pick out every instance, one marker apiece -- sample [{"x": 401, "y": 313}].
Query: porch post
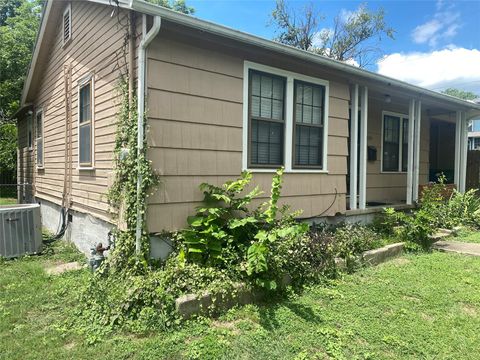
[
  {"x": 464, "y": 152},
  {"x": 362, "y": 188},
  {"x": 416, "y": 153},
  {"x": 411, "y": 123},
  {"x": 458, "y": 132},
  {"x": 353, "y": 147}
]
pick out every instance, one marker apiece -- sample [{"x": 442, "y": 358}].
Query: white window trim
[
  {"x": 401, "y": 116},
  {"x": 81, "y": 83},
  {"x": 42, "y": 165},
  {"x": 68, "y": 10},
  {"x": 289, "y": 105}
]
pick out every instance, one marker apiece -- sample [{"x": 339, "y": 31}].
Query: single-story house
[{"x": 219, "y": 101}]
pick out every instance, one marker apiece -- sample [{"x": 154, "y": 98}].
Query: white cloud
[
  {"x": 437, "y": 70},
  {"x": 443, "y": 26}
]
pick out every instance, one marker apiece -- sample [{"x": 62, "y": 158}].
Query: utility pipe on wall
[{"x": 142, "y": 49}]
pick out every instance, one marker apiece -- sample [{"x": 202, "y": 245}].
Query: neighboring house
[
  {"x": 474, "y": 132},
  {"x": 220, "y": 101}
]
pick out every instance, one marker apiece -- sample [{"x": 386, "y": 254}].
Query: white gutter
[{"x": 142, "y": 50}]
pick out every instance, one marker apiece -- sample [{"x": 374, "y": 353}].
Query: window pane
[
  {"x": 84, "y": 105},
  {"x": 266, "y": 86},
  {"x": 309, "y": 103},
  {"x": 317, "y": 116},
  {"x": 85, "y": 144},
  {"x": 317, "y": 96},
  {"x": 307, "y": 114},
  {"x": 266, "y": 108},
  {"x": 266, "y": 143},
  {"x": 277, "y": 110},
  {"x": 307, "y": 95},
  {"x": 308, "y": 145},
  {"x": 278, "y": 89},
  {"x": 255, "y": 84},
  {"x": 267, "y": 96},
  {"x": 255, "y": 106}
]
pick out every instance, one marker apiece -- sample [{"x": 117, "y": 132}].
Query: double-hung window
[
  {"x": 285, "y": 120},
  {"x": 308, "y": 129},
  {"x": 85, "y": 123},
  {"x": 394, "y": 143},
  {"x": 39, "y": 137}
]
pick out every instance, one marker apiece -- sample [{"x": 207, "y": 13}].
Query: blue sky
[{"x": 437, "y": 43}]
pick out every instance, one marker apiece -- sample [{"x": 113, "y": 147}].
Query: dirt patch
[
  {"x": 469, "y": 310},
  {"x": 69, "y": 346},
  {"x": 226, "y": 325},
  {"x": 61, "y": 268},
  {"x": 427, "y": 317},
  {"x": 412, "y": 298}
]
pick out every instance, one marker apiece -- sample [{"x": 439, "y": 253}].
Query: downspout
[{"x": 142, "y": 49}]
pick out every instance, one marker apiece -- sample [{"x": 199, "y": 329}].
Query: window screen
[
  {"x": 85, "y": 125},
  {"x": 267, "y": 119},
  {"x": 395, "y": 143},
  {"x": 391, "y": 143},
  {"x": 309, "y": 122}
]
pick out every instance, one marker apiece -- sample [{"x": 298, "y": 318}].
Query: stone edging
[{"x": 191, "y": 304}]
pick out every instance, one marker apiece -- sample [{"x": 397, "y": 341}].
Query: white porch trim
[
  {"x": 458, "y": 132},
  {"x": 416, "y": 153},
  {"x": 354, "y": 147},
  {"x": 463, "y": 151},
  {"x": 411, "y": 124},
  {"x": 362, "y": 187}
]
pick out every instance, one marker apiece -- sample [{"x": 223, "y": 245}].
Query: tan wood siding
[
  {"x": 96, "y": 48},
  {"x": 195, "y": 105}
]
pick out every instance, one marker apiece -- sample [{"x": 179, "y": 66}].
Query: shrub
[{"x": 255, "y": 245}]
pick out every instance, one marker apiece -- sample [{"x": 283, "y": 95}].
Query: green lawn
[
  {"x": 7, "y": 201},
  {"x": 415, "y": 307},
  {"x": 470, "y": 236}
]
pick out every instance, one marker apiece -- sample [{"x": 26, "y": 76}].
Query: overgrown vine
[{"x": 122, "y": 195}]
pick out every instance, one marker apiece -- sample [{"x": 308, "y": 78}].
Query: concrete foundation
[{"x": 84, "y": 230}]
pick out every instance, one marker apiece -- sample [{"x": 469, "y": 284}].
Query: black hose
[
  {"x": 323, "y": 212},
  {"x": 62, "y": 227}
]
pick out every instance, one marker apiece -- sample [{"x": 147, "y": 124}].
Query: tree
[
  {"x": 177, "y": 5},
  {"x": 461, "y": 94},
  {"x": 19, "y": 21},
  {"x": 355, "y": 36},
  {"x": 8, "y": 148}
]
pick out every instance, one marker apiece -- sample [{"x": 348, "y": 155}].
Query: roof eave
[
  {"x": 38, "y": 42},
  {"x": 190, "y": 21}
]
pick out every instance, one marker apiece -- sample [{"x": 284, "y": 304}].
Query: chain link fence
[{"x": 8, "y": 187}]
